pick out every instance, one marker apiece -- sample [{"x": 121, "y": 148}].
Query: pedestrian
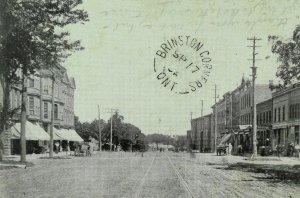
[
  {"x": 56, "y": 147},
  {"x": 297, "y": 149},
  {"x": 240, "y": 149},
  {"x": 229, "y": 149},
  {"x": 278, "y": 150},
  {"x": 89, "y": 151},
  {"x": 291, "y": 149}
]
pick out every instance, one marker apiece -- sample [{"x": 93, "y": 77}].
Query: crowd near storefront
[{"x": 277, "y": 118}]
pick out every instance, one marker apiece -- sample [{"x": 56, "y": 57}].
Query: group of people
[
  {"x": 291, "y": 150},
  {"x": 83, "y": 150}
]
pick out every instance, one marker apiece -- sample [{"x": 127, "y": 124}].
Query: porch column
[{"x": 291, "y": 137}]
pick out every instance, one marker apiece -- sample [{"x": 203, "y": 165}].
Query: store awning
[
  {"x": 244, "y": 127},
  {"x": 69, "y": 135},
  {"x": 225, "y": 138},
  {"x": 56, "y": 134},
  {"x": 279, "y": 126},
  {"x": 33, "y": 132}
]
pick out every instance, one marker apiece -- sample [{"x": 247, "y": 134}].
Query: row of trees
[
  {"x": 127, "y": 135},
  {"x": 179, "y": 142},
  {"x": 32, "y": 37}
]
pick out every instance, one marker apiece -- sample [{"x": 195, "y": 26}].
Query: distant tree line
[
  {"x": 126, "y": 135},
  {"x": 179, "y": 141}
]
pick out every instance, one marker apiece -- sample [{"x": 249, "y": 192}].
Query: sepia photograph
[{"x": 149, "y": 98}]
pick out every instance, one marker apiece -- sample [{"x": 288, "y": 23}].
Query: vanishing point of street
[{"x": 156, "y": 174}]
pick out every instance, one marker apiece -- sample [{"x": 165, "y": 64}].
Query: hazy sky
[{"x": 116, "y": 68}]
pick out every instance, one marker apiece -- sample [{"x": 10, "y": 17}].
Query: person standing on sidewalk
[
  {"x": 229, "y": 149},
  {"x": 278, "y": 150},
  {"x": 297, "y": 149}
]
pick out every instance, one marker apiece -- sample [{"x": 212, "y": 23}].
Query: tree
[
  {"x": 117, "y": 129},
  {"x": 134, "y": 136},
  {"x": 288, "y": 57},
  {"x": 33, "y": 38},
  {"x": 160, "y": 138},
  {"x": 87, "y": 130}
]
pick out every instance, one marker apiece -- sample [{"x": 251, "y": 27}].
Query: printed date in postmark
[{"x": 182, "y": 64}]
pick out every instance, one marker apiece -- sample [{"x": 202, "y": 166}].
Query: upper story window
[
  {"x": 55, "y": 111},
  {"x": 31, "y": 105},
  {"x": 283, "y": 113},
  {"x": 47, "y": 83},
  {"x": 279, "y": 114},
  {"x": 275, "y": 112},
  {"x": 46, "y": 110},
  {"x": 31, "y": 82},
  {"x": 297, "y": 111}
]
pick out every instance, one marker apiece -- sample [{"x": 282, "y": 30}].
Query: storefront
[
  {"x": 36, "y": 138},
  {"x": 243, "y": 140},
  {"x": 66, "y": 139},
  {"x": 280, "y": 135},
  {"x": 263, "y": 136}
]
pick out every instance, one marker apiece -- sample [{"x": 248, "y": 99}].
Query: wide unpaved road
[
  {"x": 102, "y": 175},
  {"x": 131, "y": 175}
]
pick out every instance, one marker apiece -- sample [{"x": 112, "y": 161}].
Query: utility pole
[
  {"x": 200, "y": 132},
  {"x": 201, "y": 108},
  {"x": 23, "y": 117},
  {"x": 52, "y": 117},
  {"x": 111, "y": 117},
  {"x": 193, "y": 133},
  {"x": 254, "y": 127},
  {"x": 216, "y": 120},
  {"x": 100, "y": 145}
]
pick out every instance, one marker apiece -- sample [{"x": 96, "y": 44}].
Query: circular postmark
[{"x": 182, "y": 64}]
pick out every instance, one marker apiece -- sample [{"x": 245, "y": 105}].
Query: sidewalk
[{"x": 33, "y": 157}]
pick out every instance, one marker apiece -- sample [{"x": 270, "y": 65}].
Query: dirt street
[{"x": 157, "y": 174}]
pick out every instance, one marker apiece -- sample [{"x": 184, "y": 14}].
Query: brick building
[
  {"x": 286, "y": 116},
  {"x": 264, "y": 122},
  {"x": 39, "y": 103}
]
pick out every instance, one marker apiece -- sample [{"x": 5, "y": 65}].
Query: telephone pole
[
  {"x": 52, "y": 116},
  {"x": 23, "y": 118},
  {"x": 216, "y": 120},
  {"x": 215, "y": 125},
  {"x": 111, "y": 122},
  {"x": 254, "y": 127},
  {"x": 100, "y": 145},
  {"x": 201, "y": 108},
  {"x": 111, "y": 117}
]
